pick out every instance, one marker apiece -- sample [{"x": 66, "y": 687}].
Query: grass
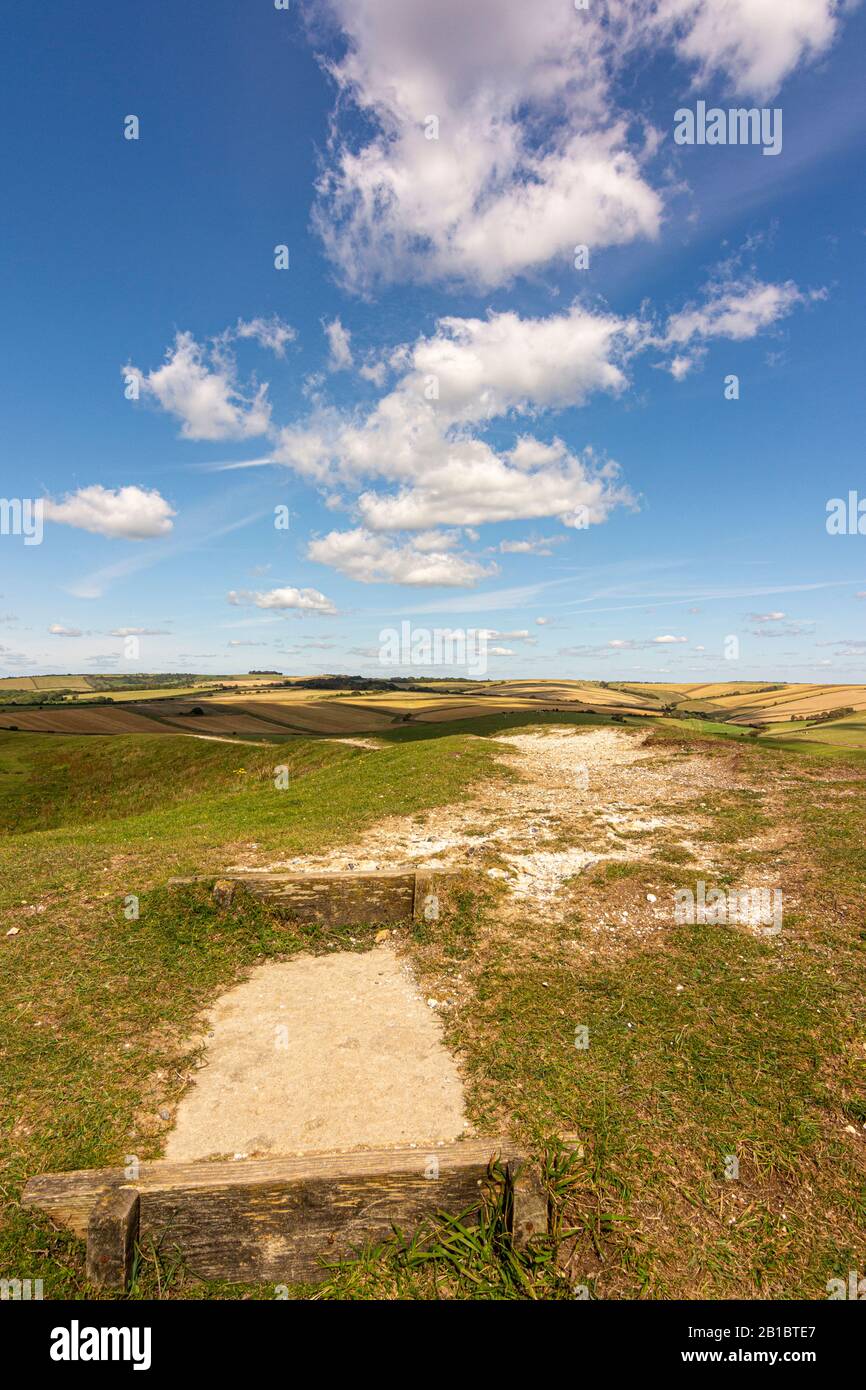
[{"x": 705, "y": 1043}]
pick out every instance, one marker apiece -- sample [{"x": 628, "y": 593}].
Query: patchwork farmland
[{"x": 261, "y": 706}]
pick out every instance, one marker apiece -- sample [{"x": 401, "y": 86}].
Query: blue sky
[{"x": 466, "y": 429}]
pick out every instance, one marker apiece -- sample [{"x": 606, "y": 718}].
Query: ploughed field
[{"x": 823, "y": 717}]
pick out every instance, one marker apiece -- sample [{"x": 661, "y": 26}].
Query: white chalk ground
[
  {"x": 320, "y": 1053},
  {"x": 604, "y": 774}
]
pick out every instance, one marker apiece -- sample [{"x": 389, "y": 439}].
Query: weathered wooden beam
[
  {"x": 426, "y": 905},
  {"x": 528, "y": 1203},
  {"x": 337, "y": 899},
  {"x": 276, "y": 1219},
  {"x": 112, "y": 1230}
]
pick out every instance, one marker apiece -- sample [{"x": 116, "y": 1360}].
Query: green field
[{"x": 848, "y": 732}]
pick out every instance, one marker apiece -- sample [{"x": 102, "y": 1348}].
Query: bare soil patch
[{"x": 320, "y": 1053}]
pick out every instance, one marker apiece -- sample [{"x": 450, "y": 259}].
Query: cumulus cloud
[
  {"x": 58, "y": 630},
  {"x": 631, "y": 645},
  {"x": 340, "y": 345},
  {"x": 419, "y": 459},
  {"x": 683, "y": 363},
  {"x": 271, "y": 333},
  {"x": 421, "y": 437},
  {"x": 132, "y": 513},
  {"x": 733, "y": 306},
  {"x": 755, "y": 43},
  {"x": 305, "y": 600},
  {"x": 494, "y": 135},
  {"x": 202, "y": 391},
  {"x": 471, "y": 484},
  {"x": 483, "y": 367},
  {"x": 375, "y": 371},
  {"x": 373, "y": 559},
  {"x": 737, "y": 310},
  {"x": 495, "y": 145}
]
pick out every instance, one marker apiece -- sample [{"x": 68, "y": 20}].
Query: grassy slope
[
  {"x": 93, "y": 1005},
  {"x": 847, "y": 732},
  {"x": 756, "y": 1055}
]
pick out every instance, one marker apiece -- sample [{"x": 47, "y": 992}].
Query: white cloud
[
  {"x": 138, "y": 632},
  {"x": 539, "y": 545},
  {"x": 418, "y": 459},
  {"x": 519, "y": 635},
  {"x": 375, "y": 371},
  {"x": 738, "y": 310},
  {"x": 133, "y": 513},
  {"x": 429, "y": 542},
  {"x": 499, "y": 141},
  {"x": 483, "y": 367},
  {"x": 767, "y": 617},
  {"x": 271, "y": 333},
  {"x": 680, "y": 366},
  {"x": 339, "y": 343},
  {"x": 306, "y": 600},
  {"x": 419, "y": 436},
  {"x": 756, "y": 43},
  {"x": 530, "y": 158},
  {"x": 423, "y": 438},
  {"x": 630, "y": 645},
  {"x": 204, "y": 396},
  {"x": 58, "y": 630},
  {"x": 372, "y": 559},
  {"x": 472, "y": 485}
]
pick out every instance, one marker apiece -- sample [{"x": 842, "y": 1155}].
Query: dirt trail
[
  {"x": 594, "y": 788},
  {"x": 218, "y": 738}
]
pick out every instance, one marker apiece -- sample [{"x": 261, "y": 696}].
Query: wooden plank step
[
  {"x": 338, "y": 898},
  {"x": 264, "y": 1220}
]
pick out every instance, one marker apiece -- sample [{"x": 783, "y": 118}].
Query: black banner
[{"x": 80, "y": 1339}]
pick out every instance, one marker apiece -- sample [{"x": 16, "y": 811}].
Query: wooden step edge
[
  {"x": 70, "y": 1197},
  {"x": 247, "y": 876}
]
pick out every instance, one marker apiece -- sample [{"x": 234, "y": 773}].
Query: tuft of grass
[{"x": 468, "y": 1255}]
